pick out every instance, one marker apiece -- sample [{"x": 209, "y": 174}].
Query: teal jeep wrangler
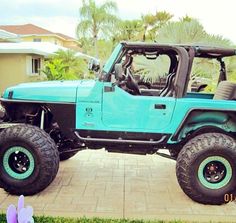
[{"x": 51, "y": 121}]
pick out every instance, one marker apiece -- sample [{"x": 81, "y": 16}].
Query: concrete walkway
[{"x": 97, "y": 183}]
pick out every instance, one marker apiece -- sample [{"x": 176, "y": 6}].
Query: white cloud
[{"x": 66, "y": 25}]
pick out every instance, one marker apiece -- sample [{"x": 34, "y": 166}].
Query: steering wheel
[{"x": 131, "y": 83}]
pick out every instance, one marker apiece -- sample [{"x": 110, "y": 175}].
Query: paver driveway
[{"x": 97, "y": 183}]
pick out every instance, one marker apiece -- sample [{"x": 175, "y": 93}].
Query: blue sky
[{"x": 62, "y": 15}]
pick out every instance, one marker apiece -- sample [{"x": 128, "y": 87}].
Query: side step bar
[{"x": 120, "y": 140}]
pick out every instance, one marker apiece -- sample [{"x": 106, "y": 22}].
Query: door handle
[
  {"x": 109, "y": 89},
  {"x": 160, "y": 106}
]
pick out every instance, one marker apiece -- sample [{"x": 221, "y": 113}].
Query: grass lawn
[{"x": 44, "y": 219}]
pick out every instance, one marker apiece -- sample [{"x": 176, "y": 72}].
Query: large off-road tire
[
  {"x": 29, "y": 159},
  {"x": 206, "y": 168},
  {"x": 66, "y": 156}
]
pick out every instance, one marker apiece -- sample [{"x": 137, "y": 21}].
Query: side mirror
[
  {"x": 94, "y": 65},
  {"x": 119, "y": 71}
]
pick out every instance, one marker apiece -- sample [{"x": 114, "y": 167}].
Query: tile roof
[
  {"x": 64, "y": 36},
  {"x": 30, "y": 29}
]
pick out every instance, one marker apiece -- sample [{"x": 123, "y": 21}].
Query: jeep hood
[{"x": 51, "y": 91}]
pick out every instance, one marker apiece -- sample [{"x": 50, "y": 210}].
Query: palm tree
[
  {"x": 151, "y": 70},
  {"x": 187, "y": 31},
  {"x": 148, "y": 22},
  {"x": 68, "y": 58},
  {"x": 151, "y": 23},
  {"x": 127, "y": 30},
  {"x": 95, "y": 20},
  {"x": 130, "y": 29},
  {"x": 161, "y": 19},
  {"x": 182, "y": 32},
  {"x": 186, "y": 18}
]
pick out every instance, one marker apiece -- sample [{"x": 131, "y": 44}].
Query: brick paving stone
[
  {"x": 94, "y": 188},
  {"x": 118, "y": 179},
  {"x": 85, "y": 200},
  {"x": 77, "y": 180},
  {"x": 104, "y": 179},
  {"x": 114, "y": 189},
  {"x": 138, "y": 206},
  {"x": 118, "y": 172},
  {"x": 60, "y": 207},
  {"x": 37, "y": 206},
  {"x": 63, "y": 200},
  {"x": 72, "y": 190},
  {"x": 3, "y": 196},
  {"x": 110, "y": 215},
  {"x": 110, "y": 205},
  {"x": 49, "y": 199},
  {"x": 102, "y": 172},
  {"x": 86, "y": 207}
]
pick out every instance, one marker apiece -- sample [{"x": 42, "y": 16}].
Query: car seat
[{"x": 225, "y": 91}]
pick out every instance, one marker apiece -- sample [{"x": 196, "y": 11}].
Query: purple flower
[{"x": 21, "y": 215}]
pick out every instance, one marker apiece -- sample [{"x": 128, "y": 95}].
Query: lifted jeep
[{"x": 51, "y": 121}]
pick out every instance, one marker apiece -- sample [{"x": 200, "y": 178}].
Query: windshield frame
[{"x": 112, "y": 59}]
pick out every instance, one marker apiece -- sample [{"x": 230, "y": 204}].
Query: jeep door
[{"x": 122, "y": 111}]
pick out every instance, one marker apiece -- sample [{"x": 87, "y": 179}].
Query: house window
[
  {"x": 36, "y": 65},
  {"x": 37, "y": 40},
  {"x": 33, "y": 65}
]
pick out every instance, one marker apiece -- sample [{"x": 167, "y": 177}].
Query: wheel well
[
  {"x": 55, "y": 115},
  {"x": 29, "y": 113},
  {"x": 199, "y": 121}
]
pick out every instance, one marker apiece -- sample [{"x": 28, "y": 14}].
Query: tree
[
  {"x": 140, "y": 29},
  {"x": 68, "y": 58},
  {"x": 128, "y": 30},
  {"x": 96, "y": 20},
  {"x": 148, "y": 21},
  {"x": 186, "y": 18},
  {"x": 159, "y": 20},
  {"x": 105, "y": 48}
]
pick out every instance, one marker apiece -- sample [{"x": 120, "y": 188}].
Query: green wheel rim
[
  {"x": 224, "y": 178},
  {"x": 18, "y": 162}
]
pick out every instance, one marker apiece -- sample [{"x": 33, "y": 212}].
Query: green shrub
[
  {"x": 65, "y": 65},
  {"x": 45, "y": 219}
]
